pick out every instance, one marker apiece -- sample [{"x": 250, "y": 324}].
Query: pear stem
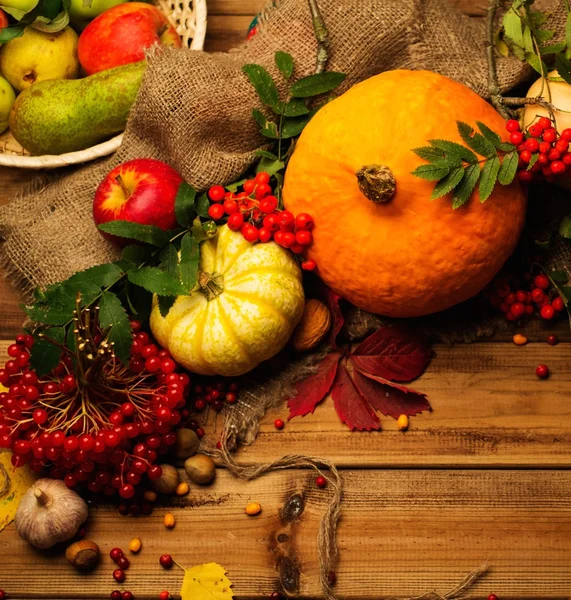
[
  {"x": 41, "y": 496},
  {"x": 124, "y": 188}
]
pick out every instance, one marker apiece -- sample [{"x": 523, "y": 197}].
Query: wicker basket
[{"x": 189, "y": 19}]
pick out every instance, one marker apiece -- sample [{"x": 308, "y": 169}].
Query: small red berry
[
  {"x": 286, "y": 220},
  {"x": 304, "y": 237},
  {"x": 517, "y": 309},
  {"x": 562, "y": 145},
  {"x": 166, "y": 561},
  {"x": 119, "y": 575},
  {"x": 525, "y": 155},
  {"x": 516, "y": 138},
  {"x": 321, "y": 482},
  {"x": 278, "y": 424},
  {"x": 542, "y": 371},
  {"x": 216, "y": 211},
  {"x": 262, "y": 177},
  {"x": 115, "y": 595},
  {"x": 510, "y": 298},
  {"x": 309, "y": 265},
  {"x": 331, "y": 578},
  {"x": 525, "y": 176},
  {"x": 271, "y": 222},
  {"x": 264, "y": 235},
  {"x": 542, "y": 160},
  {"x": 558, "y": 167},
  {"x": 549, "y": 135},
  {"x": 268, "y": 205},
  {"x": 529, "y": 309},
  {"x": 552, "y": 339},
  {"x": 537, "y": 295},
  {"x": 250, "y": 233},
  {"x": 544, "y": 122},
  {"x": 566, "y": 135},
  {"x": 235, "y": 221},
  {"x": 554, "y": 154},
  {"x": 262, "y": 190},
  {"x": 532, "y": 145},
  {"x": 521, "y": 296},
  {"x": 547, "y": 172},
  {"x": 534, "y": 130},
  {"x": 123, "y": 563},
  {"x": 566, "y": 159},
  {"x": 544, "y": 147},
  {"x": 558, "y": 304},
  {"x": 126, "y": 595},
  {"x": 164, "y": 595},
  {"x": 542, "y": 282},
  {"x": 493, "y": 596},
  {"x": 547, "y": 312},
  {"x": 249, "y": 186},
  {"x": 216, "y": 193},
  {"x": 275, "y": 596},
  {"x": 230, "y": 206},
  {"x": 304, "y": 221},
  {"x": 116, "y": 554},
  {"x": 512, "y": 125},
  {"x": 297, "y": 248}
]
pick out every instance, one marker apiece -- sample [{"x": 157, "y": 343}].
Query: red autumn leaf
[
  {"x": 391, "y": 399},
  {"x": 332, "y": 300},
  {"x": 393, "y": 354},
  {"x": 311, "y": 391},
  {"x": 351, "y": 407}
]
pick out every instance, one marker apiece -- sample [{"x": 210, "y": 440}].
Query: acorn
[{"x": 83, "y": 555}]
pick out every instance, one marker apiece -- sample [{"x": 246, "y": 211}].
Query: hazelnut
[
  {"x": 200, "y": 468},
  {"x": 83, "y": 555}
]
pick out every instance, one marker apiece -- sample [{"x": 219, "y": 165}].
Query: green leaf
[
  {"x": 455, "y": 150},
  {"x": 149, "y": 234},
  {"x": 448, "y": 183},
  {"x": 563, "y": 66},
  {"x": 169, "y": 260},
  {"x": 314, "y": 85},
  {"x": 536, "y": 63},
  {"x": 465, "y": 188},
  {"x": 553, "y": 49},
  {"x": 568, "y": 30},
  {"x": 165, "y": 304},
  {"x": 284, "y": 62},
  {"x": 102, "y": 276},
  {"x": 565, "y": 227},
  {"x": 44, "y": 357},
  {"x": 270, "y": 131},
  {"x": 156, "y": 281},
  {"x": 263, "y": 154},
  {"x": 543, "y": 35},
  {"x": 56, "y": 334},
  {"x": 508, "y": 170},
  {"x": 476, "y": 141},
  {"x": 260, "y": 118},
  {"x": 59, "y": 302},
  {"x": 52, "y": 25},
  {"x": 270, "y": 166},
  {"x": 113, "y": 315},
  {"x": 533, "y": 160},
  {"x": 429, "y": 153},
  {"x": 294, "y": 108},
  {"x": 527, "y": 39},
  {"x": 184, "y": 204},
  {"x": 189, "y": 259},
  {"x": 559, "y": 276},
  {"x": 506, "y": 147},
  {"x": 293, "y": 126},
  {"x": 50, "y": 8},
  {"x": 565, "y": 293},
  {"x": 431, "y": 172},
  {"x": 490, "y": 135},
  {"x": 203, "y": 231},
  {"x": 11, "y": 32},
  {"x": 489, "y": 177},
  {"x": 202, "y": 206},
  {"x": 513, "y": 27},
  {"x": 263, "y": 83},
  {"x": 233, "y": 187},
  {"x": 136, "y": 254}
]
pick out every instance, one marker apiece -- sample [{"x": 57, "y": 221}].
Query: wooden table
[{"x": 484, "y": 478}]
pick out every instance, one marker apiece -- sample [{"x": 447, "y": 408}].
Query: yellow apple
[
  {"x": 7, "y": 98},
  {"x": 80, "y": 15}
]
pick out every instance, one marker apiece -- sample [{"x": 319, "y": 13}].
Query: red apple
[
  {"x": 141, "y": 191},
  {"x": 3, "y": 19},
  {"x": 121, "y": 34}
]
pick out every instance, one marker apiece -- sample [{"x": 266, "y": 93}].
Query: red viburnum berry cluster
[
  {"x": 516, "y": 302},
  {"x": 542, "y": 144},
  {"x": 102, "y": 430},
  {"x": 254, "y": 212}
]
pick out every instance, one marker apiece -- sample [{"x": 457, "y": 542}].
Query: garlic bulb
[{"x": 49, "y": 512}]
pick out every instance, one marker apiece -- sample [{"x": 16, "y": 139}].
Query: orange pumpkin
[{"x": 407, "y": 256}]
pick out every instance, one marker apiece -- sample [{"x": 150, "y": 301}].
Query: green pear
[
  {"x": 39, "y": 56},
  {"x": 80, "y": 14},
  {"x": 55, "y": 117},
  {"x": 7, "y": 98},
  {"x": 23, "y": 5}
]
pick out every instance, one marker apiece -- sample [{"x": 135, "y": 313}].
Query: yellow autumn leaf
[{"x": 206, "y": 582}]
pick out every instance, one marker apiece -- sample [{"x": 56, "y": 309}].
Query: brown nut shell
[
  {"x": 200, "y": 468},
  {"x": 83, "y": 555},
  {"x": 313, "y": 327}
]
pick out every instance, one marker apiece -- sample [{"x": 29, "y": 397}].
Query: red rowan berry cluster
[
  {"x": 516, "y": 303},
  {"x": 543, "y": 145},
  {"x": 254, "y": 212}
]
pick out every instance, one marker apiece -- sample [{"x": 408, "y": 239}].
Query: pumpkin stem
[
  {"x": 377, "y": 183},
  {"x": 211, "y": 284},
  {"x": 41, "y": 497}
]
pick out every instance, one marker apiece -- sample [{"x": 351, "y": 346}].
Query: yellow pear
[
  {"x": 39, "y": 56},
  {"x": 7, "y": 99}
]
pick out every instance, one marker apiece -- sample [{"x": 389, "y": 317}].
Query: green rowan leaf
[
  {"x": 202, "y": 206},
  {"x": 536, "y": 63},
  {"x": 270, "y": 131},
  {"x": 431, "y": 172},
  {"x": 476, "y": 141},
  {"x": 44, "y": 357},
  {"x": 270, "y": 166},
  {"x": 149, "y": 234},
  {"x": 527, "y": 40},
  {"x": 533, "y": 160},
  {"x": 263, "y": 83},
  {"x": 565, "y": 227},
  {"x": 448, "y": 183},
  {"x": 489, "y": 177},
  {"x": 293, "y": 126},
  {"x": 294, "y": 108},
  {"x": 184, "y": 204},
  {"x": 563, "y": 66},
  {"x": 156, "y": 281},
  {"x": 189, "y": 260},
  {"x": 455, "y": 150},
  {"x": 100, "y": 275},
  {"x": 490, "y": 135},
  {"x": 314, "y": 85},
  {"x": 553, "y": 49},
  {"x": 508, "y": 169},
  {"x": 429, "y": 153},
  {"x": 558, "y": 276},
  {"x": 169, "y": 260},
  {"x": 113, "y": 315},
  {"x": 464, "y": 189},
  {"x": 263, "y": 154},
  {"x": 284, "y": 62},
  {"x": 259, "y": 117},
  {"x": 165, "y": 304}
]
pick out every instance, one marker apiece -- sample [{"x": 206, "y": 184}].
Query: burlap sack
[{"x": 194, "y": 112}]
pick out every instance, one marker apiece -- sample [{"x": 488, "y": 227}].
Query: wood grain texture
[{"x": 402, "y": 533}]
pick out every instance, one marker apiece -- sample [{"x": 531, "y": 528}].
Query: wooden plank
[
  {"x": 402, "y": 533},
  {"x": 11, "y": 315},
  {"x": 489, "y": 410},
  {"x": 225, "y": 32}
]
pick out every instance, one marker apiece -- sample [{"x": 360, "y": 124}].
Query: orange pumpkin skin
[{"x": 409, "y": 256}]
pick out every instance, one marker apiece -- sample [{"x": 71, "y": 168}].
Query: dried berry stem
[
  {"x": 493, "y": 85},
  {"x": 321, "y": 35}
]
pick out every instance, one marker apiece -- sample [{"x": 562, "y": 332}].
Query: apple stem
[
  {"x": 163, "y": 30},
  {"x": 125, "y": 189}
]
